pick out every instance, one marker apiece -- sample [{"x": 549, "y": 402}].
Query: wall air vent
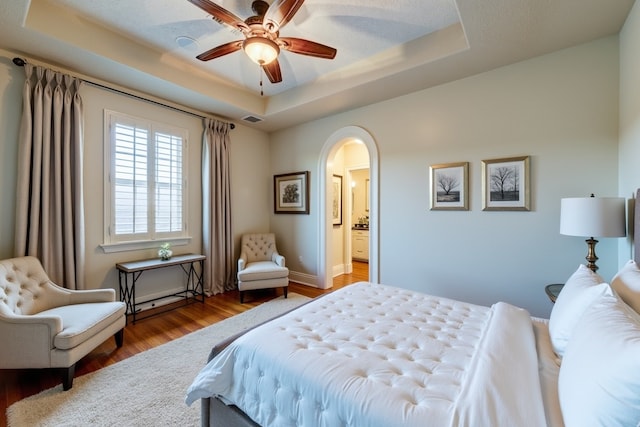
[{"x": 252, "y": 119}]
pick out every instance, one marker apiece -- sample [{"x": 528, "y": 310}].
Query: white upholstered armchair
[
  {"x": 260, "y": 266},
  {"x": 43, "y": 325}
]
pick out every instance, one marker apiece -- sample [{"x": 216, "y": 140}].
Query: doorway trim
[{"x": 329, "y": 150}]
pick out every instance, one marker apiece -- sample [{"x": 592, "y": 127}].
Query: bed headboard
[{"x": 636, "y": 228}]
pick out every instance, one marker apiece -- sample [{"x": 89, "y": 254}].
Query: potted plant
[{"x": 165, "y": 252}]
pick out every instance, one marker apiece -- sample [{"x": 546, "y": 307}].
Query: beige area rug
[{"x": 147, "y": 389}]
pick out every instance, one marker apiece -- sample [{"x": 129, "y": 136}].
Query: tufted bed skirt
[{"x": 376, "y": 355}]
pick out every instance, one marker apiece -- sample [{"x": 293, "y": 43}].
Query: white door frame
[{"x": 331, "y": 146}]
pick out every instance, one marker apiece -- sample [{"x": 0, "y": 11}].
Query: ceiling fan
[{"x": 262, "y": 41}]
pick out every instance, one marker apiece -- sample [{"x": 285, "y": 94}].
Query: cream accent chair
[
  {"x": 43, "y": 325},
  {"x": 260, "y": 266}
]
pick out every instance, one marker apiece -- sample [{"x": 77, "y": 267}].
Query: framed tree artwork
[
  {"x": 291, "y": 193},
  {"x": 505, "y": 184},
  {"x": 336, "y": 204},
  {"x": 450, "y": 186}
]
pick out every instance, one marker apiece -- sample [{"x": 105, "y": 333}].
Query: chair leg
[
  {"x": 119, "y": 336},
  {"x": 241, "y": 297},
  {"x": 67, "y": 377},
  {"x": 286, "y": 289}
]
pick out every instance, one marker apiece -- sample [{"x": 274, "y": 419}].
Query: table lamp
[{"x": 593, "y": 217}]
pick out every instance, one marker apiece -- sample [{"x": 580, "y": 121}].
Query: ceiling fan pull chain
[{"x": 261, "y": 92}]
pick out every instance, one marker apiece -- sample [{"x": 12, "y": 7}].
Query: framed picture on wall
[
  {"x": 367, "y": 188},
  {"x": 336, "y": 204},
  {"x": 450, "y": 186},
  {"x": 291, "y": 193},
  {"x": 505, "y": 184}
]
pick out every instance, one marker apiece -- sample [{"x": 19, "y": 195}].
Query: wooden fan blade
[
  {"x": 306, "y": 47},
  {"x": 272, "y": 70},
  {"x": 223, "y": 49},
  {"x": 279, "y": 13},
  {"x": 221, "y": 14}
]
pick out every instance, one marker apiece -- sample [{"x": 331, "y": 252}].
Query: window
[{"x": 145, "y": 189}]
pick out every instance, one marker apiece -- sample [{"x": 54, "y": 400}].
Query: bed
[{"x": 375, "y": 355}]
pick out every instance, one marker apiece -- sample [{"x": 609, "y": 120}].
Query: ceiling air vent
[{"x": 252, "y": 119}]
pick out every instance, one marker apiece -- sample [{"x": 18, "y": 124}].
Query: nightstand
[{"x": 553, "y": 290}]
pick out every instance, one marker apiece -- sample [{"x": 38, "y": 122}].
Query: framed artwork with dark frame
[
  {"x": 291, "y": 193},
  {"x": 450, "y": 186},
  {"x": 505, "y": 184},
  {"x": 336, "y": 204}
]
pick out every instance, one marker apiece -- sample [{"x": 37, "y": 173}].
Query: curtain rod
[{"x": 21, "y": 62}]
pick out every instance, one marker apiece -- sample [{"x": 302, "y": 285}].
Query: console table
[{"x": 130, "y": 272}]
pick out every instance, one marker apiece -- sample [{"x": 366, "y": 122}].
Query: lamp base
[{"x": 591, "y": 254}]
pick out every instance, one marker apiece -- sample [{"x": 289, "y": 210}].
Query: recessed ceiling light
[{"x": 187, "y": 43}]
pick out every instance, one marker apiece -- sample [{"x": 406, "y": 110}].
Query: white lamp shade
[
  {"x": 593, "y": 217},
  {"x": 261, "y": 50}
]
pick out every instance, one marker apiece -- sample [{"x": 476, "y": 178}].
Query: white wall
[
  {"x": 11, "y": 78},
  {"x": 338, "y": 232},
  {"x": 360, "y": 178},
  {"x": 250, "y": 184},
  {"x": 629, "y": 145},
  {"x": 297, "y": 234},
  {"x": 348, "y": 161},
  {"x": 99, "y": 270},
  {"x": 560, "y": 109}
]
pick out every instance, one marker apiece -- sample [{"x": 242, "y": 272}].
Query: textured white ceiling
[
  {"x": 385, "y": 48},
  {"x": 357, "y": 29}
]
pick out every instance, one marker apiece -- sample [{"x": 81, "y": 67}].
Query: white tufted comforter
[{"x": 375, "y": 355}]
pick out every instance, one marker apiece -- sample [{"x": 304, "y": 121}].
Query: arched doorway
[{"x": 331, "y": 146}]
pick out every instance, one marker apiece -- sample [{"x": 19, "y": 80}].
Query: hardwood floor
[{"x": 16, "y": 384}]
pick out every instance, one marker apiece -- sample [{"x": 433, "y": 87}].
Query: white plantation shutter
[
  {"x": 168, "y": 178},
  {"x": 130, "y": 193},
  {"x": 147, "y": 180}
]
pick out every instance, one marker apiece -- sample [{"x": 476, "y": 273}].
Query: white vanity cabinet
[{"x": 360, "y": 244}]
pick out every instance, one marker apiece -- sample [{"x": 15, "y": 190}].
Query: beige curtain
[
  {"x": 49, "y": 205},
  {"x": 216, "y": 204}
]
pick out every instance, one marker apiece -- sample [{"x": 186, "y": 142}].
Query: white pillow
[
  {"x": 580, "y": 290},
  {"x": 627, "y": 284},
  {"x": 599, "y": 380}
]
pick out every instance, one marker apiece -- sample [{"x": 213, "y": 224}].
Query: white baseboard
[
  {"x": 314, "y": 281},
  {"x": 304, "y": 279},
  {"x": 167, "y": 296}
]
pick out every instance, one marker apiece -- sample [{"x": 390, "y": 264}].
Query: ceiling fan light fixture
[{"x": 261, "y": 50}]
